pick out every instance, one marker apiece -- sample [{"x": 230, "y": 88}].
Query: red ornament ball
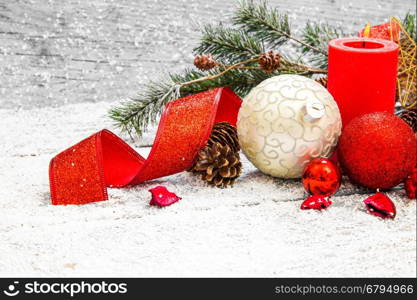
[
  {"x": 321, "y": 177},
  {"x": 377, "y": 150}
]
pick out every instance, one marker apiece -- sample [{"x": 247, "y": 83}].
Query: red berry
[{"x": 410, "y": 184}]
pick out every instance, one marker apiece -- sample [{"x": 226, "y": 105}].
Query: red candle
[{"x": 362, "y": 75}]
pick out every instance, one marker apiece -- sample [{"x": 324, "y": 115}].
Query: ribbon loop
[{"x": 81, "y": 173}]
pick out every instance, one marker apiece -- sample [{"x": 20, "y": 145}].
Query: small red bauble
[
  {"x": 388, "y": 31},
  {"x": 377, "y": 150},
  {"x": 162, "y": 197},
  {"x": 316, "y": 202},
  {"x": 410, "y": 184},
  {"x": 381, "y": 206},
  {"x": 321, "y": 177}
]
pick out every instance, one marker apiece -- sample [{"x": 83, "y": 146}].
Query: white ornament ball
[{"x": 285, "y": 122}]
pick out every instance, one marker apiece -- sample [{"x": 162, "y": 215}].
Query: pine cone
[
  {"x": 322, "y": 81},
  {"x": 269, "y": 61},
  {"x": 410, "y": 117},
  {"x": 205, "y": 62},
  {"x": 225, "y": 134},
  {"x": 218, "y": 162},
  {"x": 218, "y": 165}
]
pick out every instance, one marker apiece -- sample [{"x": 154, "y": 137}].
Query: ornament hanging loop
[{"x": 313, "y": 111}]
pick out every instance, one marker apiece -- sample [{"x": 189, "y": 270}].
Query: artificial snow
[
  {"x": 64, "y": 54},
  {"x": 255, "y": 228}
]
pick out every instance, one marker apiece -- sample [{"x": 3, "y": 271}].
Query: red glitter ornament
[
  {"x": 381, "y": 206},
  {"x": 321, "y": 177},
  {"x": 410, "y": 184},
  {"x": 81, "y": 173},
  {"x": 162, "y": 197},
  {"x": 316, "y": 202},
  {"x": 377, "y": 150},
  {"x": 388, "y": 31}
]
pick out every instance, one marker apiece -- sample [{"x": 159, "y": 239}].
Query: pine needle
[
  {"x": 265, "y": 23},
  {"x": 144, "y": 109},
  {"x": 228, "y": 45},
  {"x": 409, "y": 24},
  {"x": 318, "y": 36}
]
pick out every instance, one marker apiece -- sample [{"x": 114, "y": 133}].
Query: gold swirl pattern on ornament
[{"x": 272, "y": 130}]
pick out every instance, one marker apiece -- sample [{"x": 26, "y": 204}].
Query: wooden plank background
[{"x": 58, "y": 52}]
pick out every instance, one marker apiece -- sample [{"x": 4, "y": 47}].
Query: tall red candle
[{"x": 362, "y": 75}]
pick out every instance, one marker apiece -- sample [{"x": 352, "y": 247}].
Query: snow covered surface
[
  {"x": 253, "y": 229},
  {"x": 57, "y": 56}
]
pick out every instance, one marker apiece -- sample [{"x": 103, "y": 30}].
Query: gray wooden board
[{"x": 58, "y": 52}]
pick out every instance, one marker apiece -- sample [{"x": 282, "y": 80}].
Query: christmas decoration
[
  {"x": 225, "y": 134},
  {"x": 362, "y": 75},
  {"x": 81, "y": 173},
  {"x": 162, "y": 197},
  {"x": 405, "y": 36},
  {"x": 205, "y": 62},
  {"x": 238, "y": 50},
  {"x": 410, "y": 117},
  {"x": 377, "y": 150},
  {"x": 407, "y": 67},
  {"x": 269, "y": 61},
  {"x": 285, "y": 122},
  {"x": 381, "y": 206},
  {"x": 387, "y": 31},
  {"x": 410, "y": 184},
  {"x": 218, "y": 165},
  {"x": 316, "y": 202},
  {"x": 218, "y": 162},
  {"x": 321, "y": 177}
]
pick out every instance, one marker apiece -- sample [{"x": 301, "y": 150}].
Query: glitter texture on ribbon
[{"x": 81, "y": 173}]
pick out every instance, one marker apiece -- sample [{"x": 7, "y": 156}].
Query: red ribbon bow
[{"x": 81, "y": 173}]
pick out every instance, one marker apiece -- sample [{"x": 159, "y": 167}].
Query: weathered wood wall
[{"x": 57, "y": 52}]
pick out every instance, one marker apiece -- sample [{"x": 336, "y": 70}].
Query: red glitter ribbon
[{"x": 81, "y": 173}]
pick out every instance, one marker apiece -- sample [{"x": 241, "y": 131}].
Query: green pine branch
[
  {"x": 228, "y": 45},
  {"x": 409, "y": 24},
  {"x": 136, "y": 114},
  {"x": 318, "y": 35},
  {"x": 142, "y": 110},
  {"x": 265, "y": 23},
  {"x": 268, "y": 25}
]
